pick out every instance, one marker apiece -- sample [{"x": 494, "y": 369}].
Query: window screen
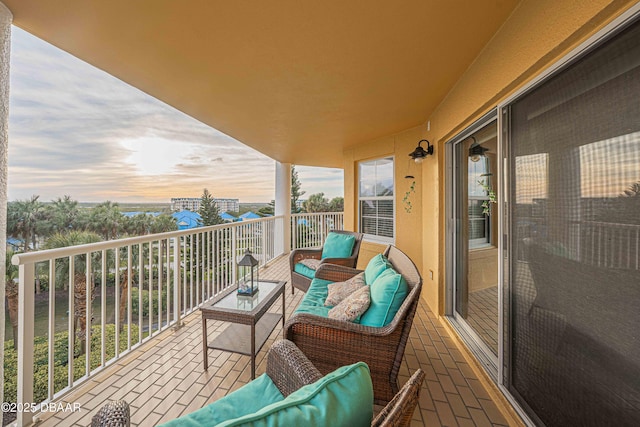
[{"x": 574, "y": 143}]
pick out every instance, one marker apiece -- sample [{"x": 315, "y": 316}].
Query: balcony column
[
  {"x": 5, "y": 47},
  {"x": 283, "y": 206}
]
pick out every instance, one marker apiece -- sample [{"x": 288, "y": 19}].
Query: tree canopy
[{"x": 209, "y": 211}]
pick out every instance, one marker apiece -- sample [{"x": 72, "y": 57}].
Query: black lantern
[
  {"x": 248, "y": 275},
  {"x": 420, "y": 153}
]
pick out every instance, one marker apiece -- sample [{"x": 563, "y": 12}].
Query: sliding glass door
[
  {"x": 573, "y": 352},
  {"x": 474, "y": 306}
]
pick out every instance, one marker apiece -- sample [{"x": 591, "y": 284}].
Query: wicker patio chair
[
  {"x": 290, "y": 369},
  {"x": 301, "y": 282},
  {"x": 331, "y": 343}
]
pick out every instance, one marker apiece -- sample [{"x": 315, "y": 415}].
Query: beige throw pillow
[
  {"x": 312, "y": 263},
  {"x": 338, "y": 291},
  {"x": 353, "y": 306}
]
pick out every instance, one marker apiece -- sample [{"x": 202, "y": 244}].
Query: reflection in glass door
[{"x": 475, "y": 211}]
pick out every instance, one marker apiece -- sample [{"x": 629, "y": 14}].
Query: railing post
[
  {"x": 283, "y": 203},
  {"x": 176, "y": 282},
  {"x": 234, "y": 270},
  {"x": 25, "y": 341}
]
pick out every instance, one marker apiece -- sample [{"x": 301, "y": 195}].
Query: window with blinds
[{"x": 376, "y": 200}]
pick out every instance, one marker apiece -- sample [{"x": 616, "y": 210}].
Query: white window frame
[{"x": 373, "y": 237}]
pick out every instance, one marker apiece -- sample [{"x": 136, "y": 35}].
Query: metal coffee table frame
[{"x": 248, "y": 331}]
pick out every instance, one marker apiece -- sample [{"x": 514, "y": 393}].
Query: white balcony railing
[
  {"x": 106, "y": 299},
  {"x": 310, "y": 229}
]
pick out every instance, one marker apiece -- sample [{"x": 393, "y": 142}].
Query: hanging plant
[
  {"x": 486, "y": 205},
  {"x": 406, "y": 199}
]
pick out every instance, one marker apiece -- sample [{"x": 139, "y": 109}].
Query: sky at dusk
[{"x": 73, "y": 129}]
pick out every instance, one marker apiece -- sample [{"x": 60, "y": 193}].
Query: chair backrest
[
  {"x": 403, "y": 265},
  {"x": 355, "y": 252},
  {"x": 399, "y": 410}
]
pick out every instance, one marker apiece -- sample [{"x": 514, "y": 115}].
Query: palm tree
[
  {"x": 138, "y": 225},
  {"x": 632, "y": 191},
  {"x": 316, "y": 203},
  {"x": 24, "y": 219},
  {"x": 106, "y": 220},
  {"x": 64, "y": 213},
  {"x": 82, "y": 313},
  {"x": 11, "y": 290},
  {"x": 164, "y": 223}
]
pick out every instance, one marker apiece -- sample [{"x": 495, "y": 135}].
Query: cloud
[{"x": 76, "y": 130}]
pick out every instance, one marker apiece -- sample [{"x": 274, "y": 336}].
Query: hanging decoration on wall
[{"x": 407, "y": 197}]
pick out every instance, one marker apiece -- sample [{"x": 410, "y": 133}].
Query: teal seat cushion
[
  {"x": 375, "y": 267},
  {"x": 388, "y": 292},
  {"x": 313, "y": 301},
  {"x": 246, "y": 400},
  {"x": 338, "y": 245},
  {"x": 342, "y": 398},
  {"x": 304, "y": 270}
]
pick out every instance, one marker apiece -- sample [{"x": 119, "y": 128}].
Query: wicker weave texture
[
  {"x": 380, "y": 348},
  {"x": 112, "y": 414},
  {"x": 399, "y": 411}
]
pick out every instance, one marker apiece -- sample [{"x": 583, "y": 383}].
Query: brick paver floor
[{"x": 164, "y": 378}]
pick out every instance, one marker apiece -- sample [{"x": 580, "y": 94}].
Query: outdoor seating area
[{"x": 163, "y": 379}]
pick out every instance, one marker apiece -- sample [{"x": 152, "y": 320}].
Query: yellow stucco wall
[
  {"x": 408, "y": 223},
  {"x": 536, "y": 35}
]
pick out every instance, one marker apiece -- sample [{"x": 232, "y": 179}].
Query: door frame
[{"x": 472, "y": 340}]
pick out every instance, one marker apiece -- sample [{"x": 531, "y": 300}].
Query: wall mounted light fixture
[
  {"x": 420, "y": 153},
  {"x": 476, "y": 151}
]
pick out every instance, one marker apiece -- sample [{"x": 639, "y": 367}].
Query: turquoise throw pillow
[
  {"x": 338, "y": 245},
  {"x": 388, "y": 292},
  {"x": 342, "y": 398},
  {"x": 248, "y": 399},
  {"x": 375, "y": 267}
]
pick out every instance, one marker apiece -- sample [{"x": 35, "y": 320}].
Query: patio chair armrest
[
  {"x": 347, "y": 262},
  {"x": 399, "y": 410},
  {"x": 298, "y": 255},
  {"x": 289, "y": 368},
  {"x": 329, "y": 328},
  {"x": 335, "y": 273}
]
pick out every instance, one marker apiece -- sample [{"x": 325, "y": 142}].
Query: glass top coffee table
[{"x": 251, "y": 323}]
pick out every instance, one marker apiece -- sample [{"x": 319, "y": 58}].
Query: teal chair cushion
[
  {"x": 313, "y": 301},
  {"x": 246, "y": 400},
  {"x": 338, "y": 245},
  {"x": 304, "y": 270},
  {"x": 388, "y": 292},
  {"x": 342, "y": 398},
  {"x": 375, "y": 267}
]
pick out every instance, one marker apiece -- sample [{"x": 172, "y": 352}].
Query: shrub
[{"x": 60, "y": 360}]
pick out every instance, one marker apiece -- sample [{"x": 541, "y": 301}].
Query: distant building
[
  {"x": 187, "y": 219},
  {"x": 249, "y": 215},
  {"x": 185, "y": 203},
  {"x": 228, "y": 205},
  {"x": 227, "y": 217},
  {"x": 193, "y": 204}
]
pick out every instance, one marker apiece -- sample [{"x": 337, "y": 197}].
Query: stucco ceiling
[{"x": 298, "y": 80}]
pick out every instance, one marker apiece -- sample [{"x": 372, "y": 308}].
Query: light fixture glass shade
[{"x": 420, "y": 153}]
